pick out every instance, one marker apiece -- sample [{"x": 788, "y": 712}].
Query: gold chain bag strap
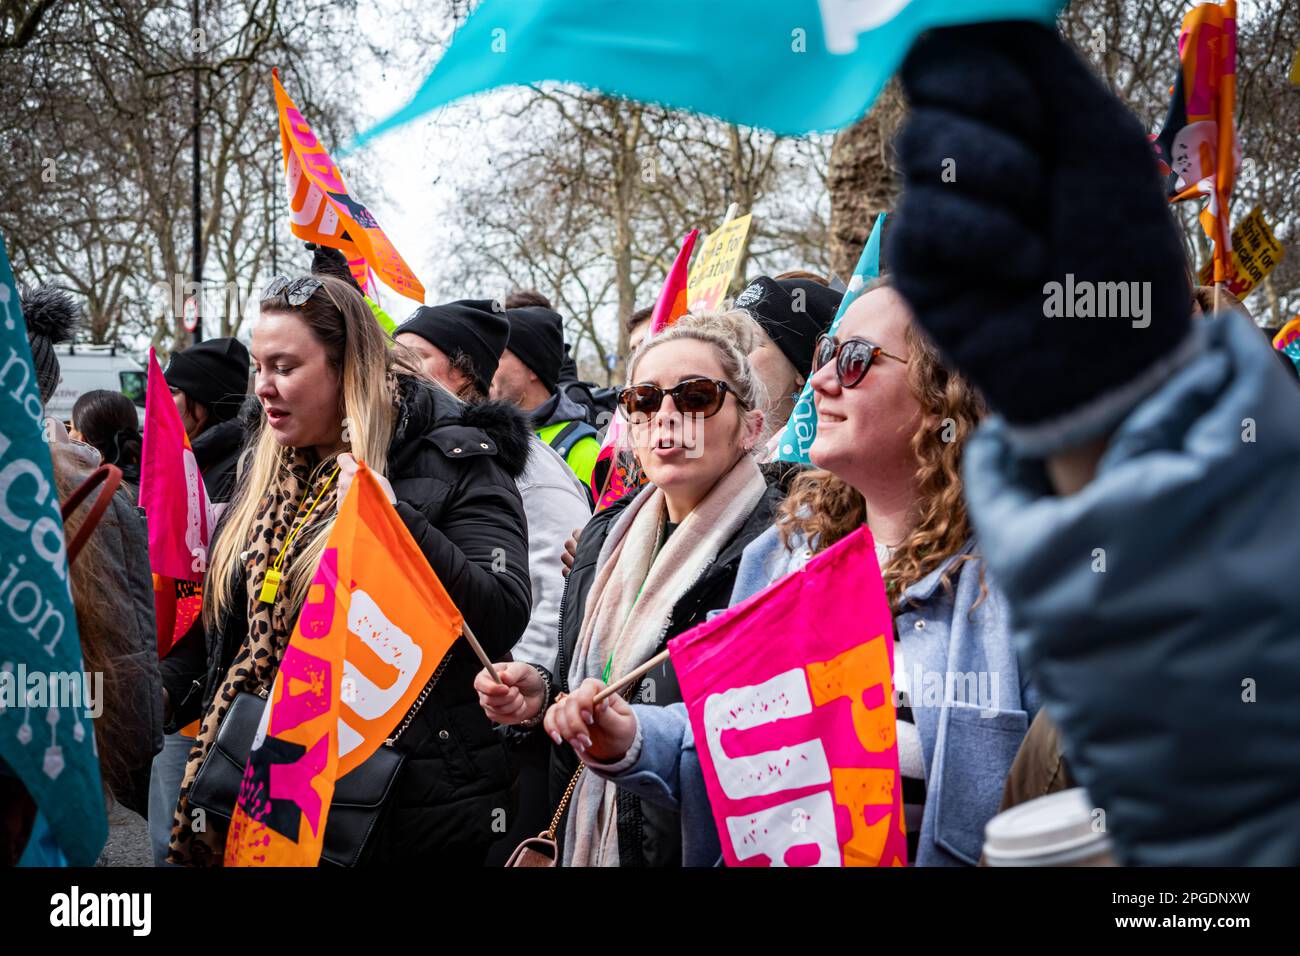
[{"x": 542, "y": 850}]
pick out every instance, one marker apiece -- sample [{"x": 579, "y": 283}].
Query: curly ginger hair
[{"x": 824, "y": 508}]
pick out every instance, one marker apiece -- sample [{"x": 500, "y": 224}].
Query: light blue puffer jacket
[{"x": 1158, "y": 609}]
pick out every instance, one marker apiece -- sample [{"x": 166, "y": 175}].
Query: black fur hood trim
[
  {"x": 426, "y": 409},
  {"x": 506, "y": 425}
]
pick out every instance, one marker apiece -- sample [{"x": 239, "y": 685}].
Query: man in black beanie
[
  {"x": 208, "y": 383},
  {"x": 791, "y": 314},
  {"x": 527, "y": 376},
  {"x": 459, "y": 344}
]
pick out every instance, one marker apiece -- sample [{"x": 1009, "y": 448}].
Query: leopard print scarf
[{"x": 269, "y": 628}]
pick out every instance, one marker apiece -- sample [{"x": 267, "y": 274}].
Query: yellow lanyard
[{"x": 271, "y": 583}]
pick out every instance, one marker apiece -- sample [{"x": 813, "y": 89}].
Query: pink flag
[
  {"x": 622, "y": 473},
  {"x": 672, "y": 297},
  {"x": 790, "y": 697},
  {"x": 171, "y": 489}
]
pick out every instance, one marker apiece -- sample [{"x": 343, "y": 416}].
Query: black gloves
[
  {"x": 1020, "y": 170},
  {"x": 328, "y": 261}
]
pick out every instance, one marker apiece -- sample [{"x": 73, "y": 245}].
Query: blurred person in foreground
[{"x": 1130, "y": 493}]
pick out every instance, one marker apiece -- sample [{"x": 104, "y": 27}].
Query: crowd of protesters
[{"x": 993, "y": 454}]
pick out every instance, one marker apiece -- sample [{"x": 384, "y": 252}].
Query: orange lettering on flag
[
  {"x": 856, "y": 789},
  {"x": 852, "y": 674}
]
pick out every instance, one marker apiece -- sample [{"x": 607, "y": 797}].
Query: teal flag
[
  {"x": 792, "y": 66},
  {"x": 801, "y": 429},
  {"x": 47, "y": 736}
]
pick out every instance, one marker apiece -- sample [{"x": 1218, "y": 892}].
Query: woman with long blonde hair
[
  {"x": 332, "y": 393},
  {"x": 892, "y": 421}
]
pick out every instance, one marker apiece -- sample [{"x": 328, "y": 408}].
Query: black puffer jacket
[
  {"x": 452, "y": 469},
  {"x": 648, "y": 835}
]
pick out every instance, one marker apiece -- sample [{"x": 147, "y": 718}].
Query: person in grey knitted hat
[{"x": 52, "y": 317}]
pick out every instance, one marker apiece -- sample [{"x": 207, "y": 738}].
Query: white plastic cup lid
[{"x": 1055, "y": 828}]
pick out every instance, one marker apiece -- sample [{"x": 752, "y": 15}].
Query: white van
[{"x": 88, "y": 367}]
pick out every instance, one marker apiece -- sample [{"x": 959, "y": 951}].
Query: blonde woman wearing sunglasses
[{"x": 653, "y": 565}]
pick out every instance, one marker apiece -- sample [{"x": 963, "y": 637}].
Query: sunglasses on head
[
  {"x": 295, "y": 291},
  {"x": 695, "y": 396},
  {"x": 853, "y": 357}
]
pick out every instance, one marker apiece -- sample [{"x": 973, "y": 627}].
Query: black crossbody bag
[{"x": 359, "y": 796}]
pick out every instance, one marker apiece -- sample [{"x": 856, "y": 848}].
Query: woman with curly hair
[{"x": 892, "y": 424}]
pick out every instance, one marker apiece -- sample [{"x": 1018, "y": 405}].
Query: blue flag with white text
[
  {"x": 791, "y": 66},
  {"x": 47, "y": 737}
]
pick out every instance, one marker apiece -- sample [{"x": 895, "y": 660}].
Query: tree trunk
[{"x": 862, "y": 178}]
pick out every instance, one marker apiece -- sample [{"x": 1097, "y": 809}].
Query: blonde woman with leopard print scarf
[{"x": 334, "y": 390}]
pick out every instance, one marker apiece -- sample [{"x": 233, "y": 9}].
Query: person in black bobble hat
[
  {"x": 528, "y": 375},
  {"x": 458, "y": 344},
  {"x": 791, "y": 313},
  {"x": 208, "y": 383}
]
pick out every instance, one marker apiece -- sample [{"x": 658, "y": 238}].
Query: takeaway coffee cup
[{"x": 1059, "y": 829}]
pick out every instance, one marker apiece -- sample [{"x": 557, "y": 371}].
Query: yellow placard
[
  {"x": 716, "y": 266},
  {"x": 1295, "y": 68},
  {"x": 1255, "y": 251}
]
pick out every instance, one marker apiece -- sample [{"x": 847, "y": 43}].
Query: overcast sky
[{"x": 422, "y": 162}]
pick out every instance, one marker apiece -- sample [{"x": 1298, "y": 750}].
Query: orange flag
[
  {"x": 1198, "y": 149},
  {"x": 374, "y": 627},
  {"x": 320, "y": 209}
]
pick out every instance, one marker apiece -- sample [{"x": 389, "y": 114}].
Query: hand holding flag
[
  {"x": 375, "y": 625},
  {"x": 790, "y": 699}
]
